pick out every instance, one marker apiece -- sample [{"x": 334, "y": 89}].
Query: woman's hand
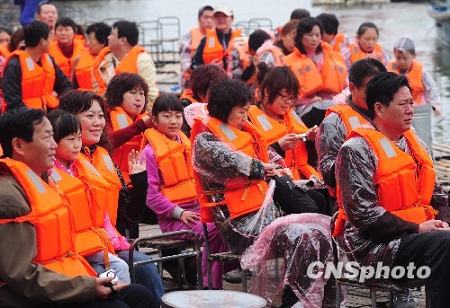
[
  {"x": 288, "y": 142},
  {"x": 147, "y": 120},
  {"x": 311, "y": 133},
  {"x": 269, "y": 169},
  {"x": 188, "y": 217},
  {"x": 285, "y": 171},
  {"x": 136, "y": 163}
]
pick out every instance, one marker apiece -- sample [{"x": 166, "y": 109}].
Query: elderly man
[
  {"x": 386, "y": 187},
  {"x": 38, "y": 265}
]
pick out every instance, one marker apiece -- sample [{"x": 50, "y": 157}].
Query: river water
[{"x": 393, "y": 19}]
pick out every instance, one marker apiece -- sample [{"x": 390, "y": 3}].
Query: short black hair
[
  {"x": 18, "y": 123},
  {"x": 364, "y": 68},
  {"x": 225, "y": 95},
  {"x": 122, "y": 83},
  {"x": 382, "y": 88},
  {"x": 305, "y": 26},
  {"x": 67, "y": 22},
  {"x": 276, "y": 80},
  {"x": 34, "y": 32},
  {"x": 365, "y": 26},
  {"x": 257, "y": 38},
  {"x": 329, "y": 22},
  {"x": 77, "y": 101},
  {"x": 42, "y": 3},
  {"x": 63, "y": 123},
  {"x": 101, "y": 30},
  {"x": 127, "y": 29},
  {"x": 300, "y": 14},
  {"x": 166, "y": 102},
  {"x": 203, "y": 9}
]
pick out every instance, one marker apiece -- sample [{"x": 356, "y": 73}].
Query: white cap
[
  {"x": 405, "y": 44},
  {"x": 223, "y": 9}
]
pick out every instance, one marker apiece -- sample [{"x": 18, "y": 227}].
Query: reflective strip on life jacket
[
  {"x": 101, "y": 160},
  {"x": 404, "y": 182},
  {"x": 331, "y": 79},
  {"x": 52, "y": 221},
  {"x": 414, "y": 75},
  {"x": 242, "y": 196},
  {"x": 37, "y": 80},
  {"x": 272, "y": 131},
  {"x": 175, "y": 166},
  {"x": 119, "y": 120},
  {"x": 89, "y": 239},
  {"x": 214, "y": 50}
]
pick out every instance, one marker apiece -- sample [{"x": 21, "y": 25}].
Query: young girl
[
  {"x": 126, "y": 98},
  {"x": 365, "y": 46},
  {"x": 89, "y": 109},
  {"x": 90, "y": 239},
  {"x": 171, "y": 191}
]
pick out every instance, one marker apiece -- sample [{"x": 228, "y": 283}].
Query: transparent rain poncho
[
  {"x": 296, "y": 240},
  {"x": 356, "y": 161},
  {"x": 216, "y": 162},
  {"x": 282, "y": 253}
]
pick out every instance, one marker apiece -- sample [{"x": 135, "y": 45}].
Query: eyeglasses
[{"x": 287, "y": 100}]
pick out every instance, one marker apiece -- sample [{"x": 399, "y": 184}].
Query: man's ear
[
  {"x": 17, "y": 145},
  {"x": 379, "y": 109},
  {"x": 352, "y": 86}
]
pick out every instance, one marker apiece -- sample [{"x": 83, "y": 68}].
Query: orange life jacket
[
  {"x": 242, "y": 195},
  {"x": 4, "y": 52},
  {"x": 213, "y": 48},
  {"x": 405, "y": 182},
  {"x": 339, "y": 41},
  {"x": 37, "y": 82},
  {"x": 83, "y": 70},
  {"x": 101, "y": 160},
  {"x": 175, "y": 166},
  {"x": 89, "y": 239},
  {"x": 272, "y": 131},
  {"x": 276, "y": 52},
  {"x": 52, "y": 221},
  {"x": 414, "y": 76},
  {"x": 196, "y": 36},
  {"x": 357, "y": 54},
  {"x": 127, "y": 65},
  {"x": 331, "y": 79},
  {"x": 351, "y": 120},
  {"x": 119, "y": 120}
]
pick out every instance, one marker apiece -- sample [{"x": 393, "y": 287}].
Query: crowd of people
[{"x": 280, "y": 143}]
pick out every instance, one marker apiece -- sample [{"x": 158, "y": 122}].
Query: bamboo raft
[{"x": 441, "y": 153}]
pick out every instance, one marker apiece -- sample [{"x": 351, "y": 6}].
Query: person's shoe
[
  {"x": 234, "y": 276},
  {"x": 404, "y": 299}
]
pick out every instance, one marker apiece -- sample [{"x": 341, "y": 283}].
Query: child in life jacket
[
  {"x": 365, "y": 46},
  {"x": 423, "y": 88},
  {"x": 171, "y": 190},
  {"x": 67, "y": 134}
]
